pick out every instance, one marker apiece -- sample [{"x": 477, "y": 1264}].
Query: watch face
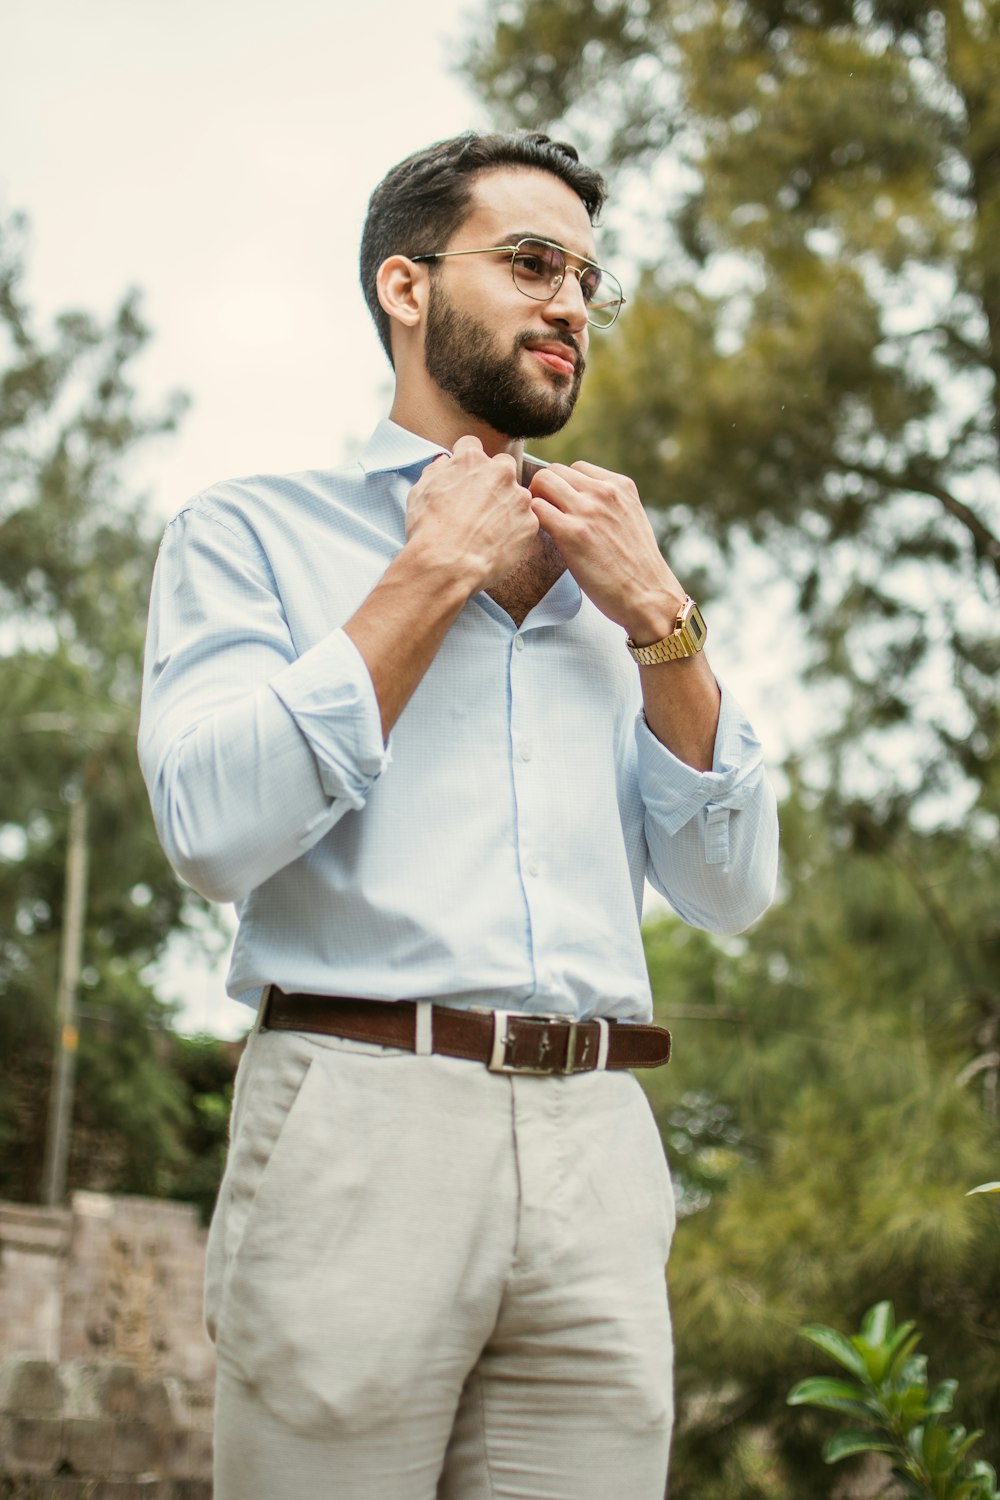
[{"x": 691, "y": 625}]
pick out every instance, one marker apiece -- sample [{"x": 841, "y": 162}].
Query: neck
[{"x": 440, "y": 421}]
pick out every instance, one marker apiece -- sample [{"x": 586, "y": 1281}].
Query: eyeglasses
[{"x": 539, "y": 270}]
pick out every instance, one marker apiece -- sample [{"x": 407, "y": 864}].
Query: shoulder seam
[{"x": 208, "y": 511}]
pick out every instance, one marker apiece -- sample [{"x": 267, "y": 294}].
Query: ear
[{"x": 402, "y": 289}]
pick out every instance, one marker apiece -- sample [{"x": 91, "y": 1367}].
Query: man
[{"x": 391, "y": 711}]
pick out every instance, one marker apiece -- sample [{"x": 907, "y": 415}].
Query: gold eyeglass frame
[{"x": 532, "y": 239}]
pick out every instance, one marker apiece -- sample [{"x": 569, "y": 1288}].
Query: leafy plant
[
  {"x": 76, "y": 554},
  {"x": 902, "y": 1416}
]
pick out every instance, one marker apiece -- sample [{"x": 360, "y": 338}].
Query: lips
[{"x": 558, "y": 358}]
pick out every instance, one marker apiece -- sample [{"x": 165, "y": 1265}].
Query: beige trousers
[{"x": 427, "y": 1281}]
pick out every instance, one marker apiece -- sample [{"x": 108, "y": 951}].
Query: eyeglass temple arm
[
  {"x": 485, "y": 250},
  {"x": 512, "y": 250}
]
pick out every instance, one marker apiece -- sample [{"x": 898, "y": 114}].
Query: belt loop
[
  {"x": 258, "y": 1024},
  {"x": 602, "y": 1045},
  {"x": 423, "y": 1044}
]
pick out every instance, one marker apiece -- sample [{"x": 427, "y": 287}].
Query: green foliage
[
  {"x": 76, "y": 555},
  {"x": 901, "y": 1413},
  {"x": 205, "y": 1069},
  {"x": 829, "y": 1094},
  {"x": 810, "y": 194}
]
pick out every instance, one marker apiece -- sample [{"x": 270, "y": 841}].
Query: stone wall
[
  {"x": 105, "y": 1368},
  {"x": 133, "y": 1286},
  {"x": 34, "y": 1244},
  {"x": 109, "y": 1278},
  {"x": 97, "y": 1431}
]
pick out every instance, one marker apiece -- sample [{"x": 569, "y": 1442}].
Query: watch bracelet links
[{"x": 677, "y": 646}]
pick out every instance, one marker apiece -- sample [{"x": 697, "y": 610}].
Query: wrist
[
  {"x": 685, "y": 639},
  {"x": 654, "y": 616},
  {"x": 448, "y": 578}
]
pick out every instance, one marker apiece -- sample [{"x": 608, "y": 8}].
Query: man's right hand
[
  {"x": 471, "y": 515},
  {"x": 468, "y": 522}
]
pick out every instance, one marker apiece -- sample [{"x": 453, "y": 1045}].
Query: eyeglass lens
[{"x": 539, "y": 270}]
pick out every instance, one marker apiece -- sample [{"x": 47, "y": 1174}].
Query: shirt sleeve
[
  {"x": 712, "y": 836},
  {"x": 251, "y": 752}
]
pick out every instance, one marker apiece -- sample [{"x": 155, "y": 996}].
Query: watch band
[{"x": 686, "y": 639}]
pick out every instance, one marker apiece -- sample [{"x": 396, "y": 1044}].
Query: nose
[{"x": 566, "y": 306}]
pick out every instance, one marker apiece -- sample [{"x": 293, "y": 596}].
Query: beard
[{"x": 463, "y": 358}]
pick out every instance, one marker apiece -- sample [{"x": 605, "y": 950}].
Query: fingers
[
  {"x": 546, "y": 514},
  {"x": 551, "y": 485},
  {"x": 469, "y": 447},
  {"x": 507, "y": 461},
  {"x": 586, "y": 489},
  {"x": 594, "y": 471}
]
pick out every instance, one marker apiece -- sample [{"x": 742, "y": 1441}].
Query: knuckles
[{"x": 593, "y": 486}]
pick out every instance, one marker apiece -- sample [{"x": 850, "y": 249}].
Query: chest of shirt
[{"x": 560, "y": 683}]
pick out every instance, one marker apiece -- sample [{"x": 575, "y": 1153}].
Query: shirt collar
[
  {"x": 562, "y": 602},
  {"x": 392, "y": 448}
]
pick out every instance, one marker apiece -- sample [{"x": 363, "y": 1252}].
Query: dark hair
[{"x": 417, "y": 207}]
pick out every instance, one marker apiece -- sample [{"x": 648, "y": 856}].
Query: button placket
[
  {"x": 535, "y": 716},
  {"x": 522, "y": 739}
]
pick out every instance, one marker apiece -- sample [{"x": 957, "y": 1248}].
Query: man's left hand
[{"x": 597, "y": 521}]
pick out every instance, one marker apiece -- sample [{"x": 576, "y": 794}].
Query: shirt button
[
  {"x": 525, "y": 750},
  {"x": 519, "y": 643},
  {"x": 532, "y": 865}
]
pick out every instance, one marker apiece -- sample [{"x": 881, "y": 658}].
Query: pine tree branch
[
  {"x": 988, "y": 1062},
  {"x": 706, "y": 1013},
  {"x": 987, "y": 545},
  {"x": 976, "y": 351},
  {"x": 671, "y": 1013},
  {"x": 935, "y": 909},
  {"x": 952, "y": 335}
]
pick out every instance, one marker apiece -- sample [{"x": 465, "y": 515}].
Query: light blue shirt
[{"x": 494, "y": 852}]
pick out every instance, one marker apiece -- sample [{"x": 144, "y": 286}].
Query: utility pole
[{"x": 70, "y": 964}]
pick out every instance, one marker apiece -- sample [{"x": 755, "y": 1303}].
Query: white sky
[{"x": 219, "y": 155}]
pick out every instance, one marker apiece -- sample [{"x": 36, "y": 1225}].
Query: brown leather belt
[{"x": 507, "y": 1041}]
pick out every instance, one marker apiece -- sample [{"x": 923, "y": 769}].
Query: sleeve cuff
[
  {"x": 673, "y": 792},
  {"x": 329, "y": 693}
]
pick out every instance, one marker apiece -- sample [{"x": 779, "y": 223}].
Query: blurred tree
[
  {"x": 76, "y": 555},
  {"x": 812, "y": 355},
  {"x": 205, "y": 1068},
  {"x": 832, "y": 1096},
  {"x": 809, "y": 191}
]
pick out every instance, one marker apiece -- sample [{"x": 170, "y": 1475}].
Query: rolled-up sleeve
[
  {"x": 712, "y": 836},
  {"x": 251, "y": 752}
]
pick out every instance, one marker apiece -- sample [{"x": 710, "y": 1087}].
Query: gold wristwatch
[{"x": 686, "y": 639}]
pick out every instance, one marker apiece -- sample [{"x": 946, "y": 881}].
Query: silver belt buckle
[{"x": 502, "y": 1040}]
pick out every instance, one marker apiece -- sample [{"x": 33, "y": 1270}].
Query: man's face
[{"x": 505, "y": 359}]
